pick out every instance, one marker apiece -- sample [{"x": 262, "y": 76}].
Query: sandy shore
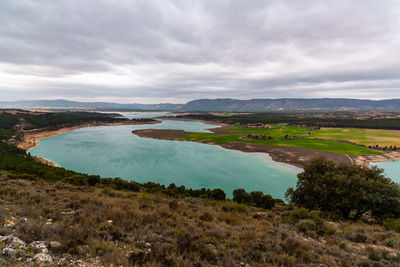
[
  {"x": 368, "y": 160},
  {"x": 32, "y": 138}
]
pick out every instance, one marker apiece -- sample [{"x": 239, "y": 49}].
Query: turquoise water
[
  {"x": 392, "y": 169},
  {"x": 113, "y": 151}
]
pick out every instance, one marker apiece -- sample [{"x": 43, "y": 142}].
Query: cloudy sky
[{"x": 151, "y": 51}]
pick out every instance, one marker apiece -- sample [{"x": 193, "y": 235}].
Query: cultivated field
[
  {"x": 361, "y": 136},
  {"x": 325, "y": 139}
]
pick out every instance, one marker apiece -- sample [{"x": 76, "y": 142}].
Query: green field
[
  {"x": 361, "y": 136},
  {"x": 310, "y": 139}
]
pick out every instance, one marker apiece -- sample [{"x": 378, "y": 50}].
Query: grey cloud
[{"x": 195, "y": 49}]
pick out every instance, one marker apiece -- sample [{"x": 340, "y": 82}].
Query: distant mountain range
[
  {"x": 61, "y": 103},
  {"x": 225, "y": 105}
]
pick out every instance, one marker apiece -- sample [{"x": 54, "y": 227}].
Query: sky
[{"x": 151, "y": 51}]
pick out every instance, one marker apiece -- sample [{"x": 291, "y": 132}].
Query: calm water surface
[
  {"x": 392, "y": 169},
  {"x": 113, "y": 151}
]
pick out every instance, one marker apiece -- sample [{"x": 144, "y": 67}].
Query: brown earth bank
[
  {"x": 203, "y": 121},
  {"x": 296, "y": 156},
  {"x": 31, "y": 138},
  {"x": 367, "y": 160}
]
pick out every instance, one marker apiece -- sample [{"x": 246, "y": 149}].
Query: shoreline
[
  {"x": 32, "y": 138},
  {"x": 294, "y": 156},
  {"x": 221, "y": 125},
  {"x": 369, "y": 160}
]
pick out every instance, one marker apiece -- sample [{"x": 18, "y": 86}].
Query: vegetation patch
[{"x": 282, "y": 135}]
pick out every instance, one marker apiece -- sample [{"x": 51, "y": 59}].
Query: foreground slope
[{"x": 97, "y": 226}]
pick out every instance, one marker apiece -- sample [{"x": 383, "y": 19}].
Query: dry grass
[{"x": 157, "y": 230}]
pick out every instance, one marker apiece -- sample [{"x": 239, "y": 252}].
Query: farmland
[{"x": 325, "y": 139}]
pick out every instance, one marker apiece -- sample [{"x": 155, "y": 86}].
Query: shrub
[
  {"x": 373, "y": 254},
  {"x": 255, "y": 198},
  {"x": 234, "y": 207},
  {"x": 390, "y": 242},
  {"x": 240, "y": 196},
  {"x": 266, "y": 202},
  {"x": 300, "y": 213},
  {"x": 392, "y": 224},
  {"x": 305, "y": 225},
  {"x": 77, "y": 180},
  {"x": 327, "y": 230},
  {"x": 206, "y": 217},
  {"x": 217, "y": 194},
  {"x": 93, "y": 180}
]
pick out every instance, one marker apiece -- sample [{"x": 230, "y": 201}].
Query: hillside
[
  {"x": 98, "y": 226},
  {"x": 60, "y": 103},
  {"x": 290, "y": 104},
  {"x": 226, "y": 105}
]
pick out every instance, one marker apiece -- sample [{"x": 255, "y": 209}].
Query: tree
[
  {"x": 345, "y": 190},
  {"x": 267, "y": 202},
  {"x": 217, "y": 194},
  {"x": 255, "y": 197},
  {"x": 240, "y": 196}
]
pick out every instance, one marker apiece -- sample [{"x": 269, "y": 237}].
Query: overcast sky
[{"x": 151, "y": 51}]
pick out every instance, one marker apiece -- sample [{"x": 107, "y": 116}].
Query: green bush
[
  {"x": 206, "y": 217},
  {"x": 266, "y": 202},
  {"x": 217, "y": 194},
  {"x": 390, "y": 242},
  {"x": 392, "y": 224},
  {"x": 240, "y": 196},
  {"x": 305, "y": 225},
  {"x": 327, "y": 230},
  {"x": 300, "y": 213},
  {"x": 255, "y": 198}
]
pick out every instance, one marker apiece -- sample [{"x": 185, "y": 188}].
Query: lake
[
  {"x": 392, "y": 169},
  {"x": 113, "y": 151}
]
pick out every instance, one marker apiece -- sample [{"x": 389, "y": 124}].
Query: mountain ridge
[{"x": 225, "y": 105}]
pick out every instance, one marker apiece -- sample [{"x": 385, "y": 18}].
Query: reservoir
[
  {"x": 113, "y": 151},
  {"x": 392, "y": 169}
]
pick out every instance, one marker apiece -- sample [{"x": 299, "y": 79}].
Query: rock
[
  {"x": 43, "y": 258},
  {"x": 39, "y": 245},
  {"x": 260, "y": 215},
  {"x": 8, "y": 251},
  {"x": 9, "y": 224},
  {"x": 17, "y": 243},
  {"x": 67, "y": 212},
  {"x": 54, "y": 244},
  {"x": 6, "y": 238},
  {"x": 23, "y": 221}
]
